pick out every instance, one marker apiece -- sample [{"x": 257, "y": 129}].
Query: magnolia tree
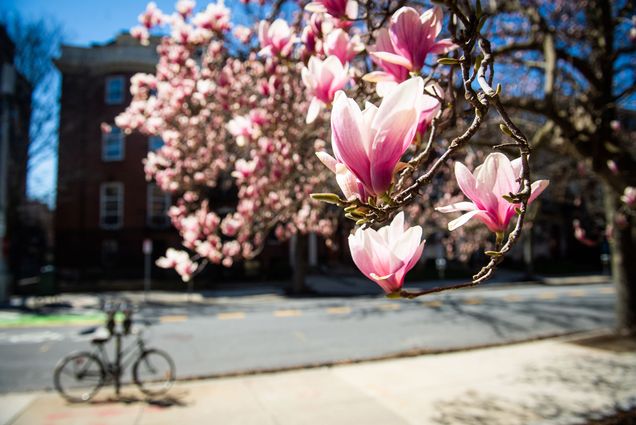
[
  {"x": 262, "y": 122},
  {"x": 572, "y": 64}
]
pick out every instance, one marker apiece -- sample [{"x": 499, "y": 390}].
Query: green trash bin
[{"x": 47, "y": 285}]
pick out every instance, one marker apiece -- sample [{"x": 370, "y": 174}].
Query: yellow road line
[
  {"x": 173, "y": 319},
  {"x": 339, "y": 310},
  {"x": 546, "y": 296},
  {"x": 606, "y": 290},
  {"x": 512, "y": 298},
  {"x": 472, "y": 301},
  {"x": 233, "y": 315},
  {"x": 577, "y": 293},
  {"x": 389, "y": 307},
  {"x": 287, "y": 313},
  {"x": 432, "y": 303}
]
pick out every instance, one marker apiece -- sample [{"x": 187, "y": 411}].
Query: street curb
[{"x": 566, "y": 336}]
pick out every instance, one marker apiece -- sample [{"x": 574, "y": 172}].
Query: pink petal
[
  {"x": 459, "y": 206},
  {"x": 406, "y": 35},
  {"x": 483, "y": 216},
  {"x": 390, "y": 142},
  {"x": 315, "y": 7},
  {"x": 347, "y": 182},
  {"x": 376, "y": 76},
  {"x": 537, "y": 188},
  {"x": 348, "y": 137},
  {"x": 393, "y": 58},
  {"x": 443, "y": 46},
  {"x": 351, "y": 9},
  {"x": 468, "y": 184},
  {"x": 329, "y": 161},
  {"x": 314, "y": 109}
]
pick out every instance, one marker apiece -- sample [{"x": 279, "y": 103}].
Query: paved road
[{"x": 256, "y": 333}]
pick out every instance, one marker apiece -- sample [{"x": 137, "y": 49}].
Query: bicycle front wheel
[
  {"x": 79, "y": 376},
  {"x": 154, "y": 372}
]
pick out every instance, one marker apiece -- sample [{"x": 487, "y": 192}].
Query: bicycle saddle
[{"x": 100, "y": 336}]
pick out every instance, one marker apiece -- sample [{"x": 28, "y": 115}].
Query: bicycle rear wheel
[
  {"x": 79, "y": 376},
  {"x": 154, "y": 372}
]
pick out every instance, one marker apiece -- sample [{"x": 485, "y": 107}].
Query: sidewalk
[{"x": 559, "y": 381}]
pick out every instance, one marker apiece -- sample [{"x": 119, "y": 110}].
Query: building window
[
  {"x": 113, "y": 145},
  {"x": 114, "y": 90},
  {"x": 110, "y": 249},
  {"x": 158, "y": 205},
  {"x": 111, "y": 205},
  {"x": 154, "y": 143}
]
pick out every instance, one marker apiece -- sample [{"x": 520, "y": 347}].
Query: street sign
[{"x": 147, "y": 246}]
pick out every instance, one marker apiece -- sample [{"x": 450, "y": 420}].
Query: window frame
[
  {"x": 109, "y": 97},
  {"x": 121, "y": 140},
  {"x": 150, "y": 216},
  {"x": 102, "y": 205}
]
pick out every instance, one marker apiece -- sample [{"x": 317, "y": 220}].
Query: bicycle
[{"x": 79, "y": 376}]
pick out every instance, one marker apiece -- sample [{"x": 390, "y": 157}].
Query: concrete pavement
[
  {"x": 238, "y": 336},
  {"x": 558, "y": 381}
]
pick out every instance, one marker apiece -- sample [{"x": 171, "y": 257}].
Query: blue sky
[{"x": 85, "y": 21}]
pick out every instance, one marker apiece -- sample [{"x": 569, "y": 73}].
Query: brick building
[
  {"x": 105, "y": 207},
  {"x": 15, "y": 119}
]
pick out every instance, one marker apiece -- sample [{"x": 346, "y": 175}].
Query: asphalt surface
[{"x": 264, "y": 333}]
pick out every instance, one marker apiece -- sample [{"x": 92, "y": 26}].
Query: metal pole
[
  {"x": 147, "y": 268},
  {"x": 117, "y": 362},
  {"x": 147, "y": 250}
]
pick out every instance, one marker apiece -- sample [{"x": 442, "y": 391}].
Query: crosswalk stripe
[
  {"x": 389, "y": 306},
  {"x": 546, "y": 296},
  {"x": 287, "y": 313},
  {"x": 173, "y": 319},
  {"x": 512, "y": 298},
  {"x": 578, "y": 293},
  {"x": 609, "y": 290},
  {"x": 234, "y": 315},
  {"x": 472, "y": 301},
  {"x": 432, "y": 303},
  {"x": 339, "y": 310}
]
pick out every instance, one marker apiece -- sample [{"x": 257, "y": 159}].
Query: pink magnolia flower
[
  {"x": 413, "y": 37},
  {"x": 185, "y": 7},
  {"x": 215, "y": 17},
  {"x": 403, "y": 48},
  {"x": 242, "y": 128},
  {"x": 276, "y": 39},
  {"x": 496, "y": 177},
  {"x": 180, "y": 261},
  {"x": 386, "y": 255},
  {"x": 335, "y": 8},
  {"x": 141, "y": 34},
  {"x": 323, "y": 79},
  {"x": 629, "y": 196},
  {"x": 152, "y": 16},
  {"x": 351, "y": 187},
  {"x": 371, "y": 142},
  {"x": 392, "y": 74},
  {"x": 338, "y": 43}
]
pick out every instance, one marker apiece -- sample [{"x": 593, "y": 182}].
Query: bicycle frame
[{"x": 123, "y": 357}]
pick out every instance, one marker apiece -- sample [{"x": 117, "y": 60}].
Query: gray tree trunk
[
  {"x": 298, "y": 284},
  {"x": 623, "y": 250}
]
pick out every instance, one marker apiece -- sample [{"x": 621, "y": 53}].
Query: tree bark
[
  {"x": 298, "y": 284},
  {"x": 622, "y": 246}
]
